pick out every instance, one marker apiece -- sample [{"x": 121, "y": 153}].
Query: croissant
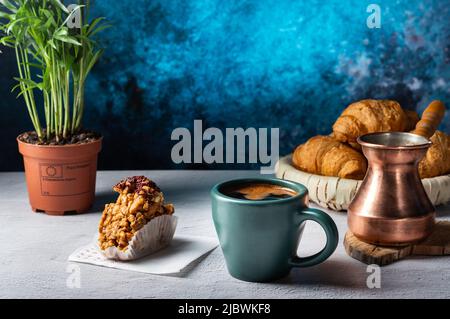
[
  {"x": 326, "y": 156},
  {"x": 437, "y": 160},
  {"x": 368, "y": 116}
]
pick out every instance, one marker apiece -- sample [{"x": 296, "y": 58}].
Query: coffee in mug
[
  {"x": 258, "y": 191},
  {"x": 259, "y": 223}
]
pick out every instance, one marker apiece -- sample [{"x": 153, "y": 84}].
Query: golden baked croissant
[
  {"x": 368, "y": 116},
  {"x": 437, "y": 160},
  {"x": 330, "y": 156},
  {"x": 326, "y": 156}
]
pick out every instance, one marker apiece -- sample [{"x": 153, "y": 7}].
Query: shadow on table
[
  {"x": 330, "y": 273},
  {"x": 443, "y": 211}
]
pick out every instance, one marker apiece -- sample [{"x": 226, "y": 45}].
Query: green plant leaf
[
  {"x": 29, "y": 86},
  {"x": 99, "y": 29},
  {"x": 5, "y": 15},
  {"x": 12, "y": 24},
  {"x": 51, "y": 22},
  {"x": 60, "y": 5},
  {"x": 26, "y": 81},
  {"x": 36, "y": 57},
  {"x": 61, "y": 32},
  {"x": 8, "y": 5},
  {"x": 67, "y": 39},
  {"x": 52, "y": 44},
  {"x": 22, "y": 92},
  {"x": 36, "y": 65},
  {"x": 93, "y": 24},
  {"x": 15, "y": 87},
  {"x": 7, "y": 41},
  {"x": 94, "y": 60}
]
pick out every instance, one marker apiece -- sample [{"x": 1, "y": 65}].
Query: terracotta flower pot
[{"x": 60, "y": 179}]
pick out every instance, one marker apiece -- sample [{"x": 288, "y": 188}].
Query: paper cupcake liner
[{"x": 155, "y": 235}]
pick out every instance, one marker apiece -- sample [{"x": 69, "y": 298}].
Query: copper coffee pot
[{"x": 391, "y": 207}]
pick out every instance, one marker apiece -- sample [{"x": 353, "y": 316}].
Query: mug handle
[{"x": 331, "y": 232}]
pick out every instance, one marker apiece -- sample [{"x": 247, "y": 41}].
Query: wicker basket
[{"x": 337, "y": 193}]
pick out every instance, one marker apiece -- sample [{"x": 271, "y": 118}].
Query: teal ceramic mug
[{"x": 259, "y": 239}]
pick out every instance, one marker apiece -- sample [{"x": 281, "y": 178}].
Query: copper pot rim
[{"x": 361, "y": 140}]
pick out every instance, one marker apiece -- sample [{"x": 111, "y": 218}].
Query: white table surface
[{"x": 34, "y": 250}]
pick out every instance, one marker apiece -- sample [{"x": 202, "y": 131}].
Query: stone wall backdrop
[{"x": 243, "y": 63}]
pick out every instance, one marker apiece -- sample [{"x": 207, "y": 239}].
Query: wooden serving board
[
  {"x": 437, "y": 244},
  {"x": 337, "y": 193}
]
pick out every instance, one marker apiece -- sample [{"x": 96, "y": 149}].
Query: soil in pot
[{"x": 80, "y": 138}]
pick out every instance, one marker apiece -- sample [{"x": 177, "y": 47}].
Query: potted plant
[{"x": 55, "y": 50}]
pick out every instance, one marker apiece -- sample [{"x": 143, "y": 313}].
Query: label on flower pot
[{"x": 65, "y": 179}]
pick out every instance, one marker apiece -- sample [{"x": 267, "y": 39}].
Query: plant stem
[
  {"x": 80, "y": 97},
  {"x": 81, "y": 105},
  {"x": 54, "y": 94},
  {"x": 75, "y": 105},
  {"x": 60, "y": 99},
  {"x": 31, "y": 95},
  {"x": 66, "y": 105},
  {"x": 25, "y": 90},
  {"x": 47, "y": 114}
]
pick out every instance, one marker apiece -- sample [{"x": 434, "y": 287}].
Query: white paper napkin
[{"x": 171, "y": 260}]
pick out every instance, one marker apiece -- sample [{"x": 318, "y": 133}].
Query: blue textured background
[{"x": 263, "y": 63}]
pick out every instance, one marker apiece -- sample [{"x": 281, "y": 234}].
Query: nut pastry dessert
[{"x": 138, "y": 223}]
